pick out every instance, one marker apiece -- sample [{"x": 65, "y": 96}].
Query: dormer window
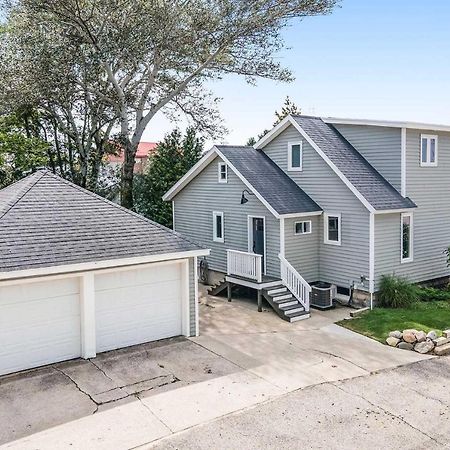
[
  {"x": 223, "y": 173},
  {"x": 295, "y": 156},
  {"x": 428, "y": 150}
]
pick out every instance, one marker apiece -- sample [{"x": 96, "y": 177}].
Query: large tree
[{"x": 155, "y": 55}]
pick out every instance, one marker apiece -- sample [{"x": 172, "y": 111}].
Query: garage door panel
[
  {"x": 129, "y": 313},
  {"x": 38, "y": 329}
]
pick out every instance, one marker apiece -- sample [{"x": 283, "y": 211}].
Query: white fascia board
[
  {"x": 394, "y": 211},
  {"x": 247, "y": 184},
  {"x": 387, "y": 123},
  {"x": 192, "y": 173},
  {"x": 403, "y": 162},
  {"x": 305, "y": 214},
  {"x": 273, "y": 133},
  {"x": 98, "y": 265}
]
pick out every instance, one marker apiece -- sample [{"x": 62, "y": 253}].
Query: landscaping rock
[
  {"x": 421, "y": 336},
  {"x": 441, "y": 341},
  {"x": 409, "y": 336},
  {"x": 446, "y": 333},
  {"x": 432, "y": 335},
  {"x": 392, "y": 341},
  {"x": 396, "y": 334},
  {"x": 405, "y": 346},
  {"x": 442, "y": 350},
  {"x": 424, "y": 347}
]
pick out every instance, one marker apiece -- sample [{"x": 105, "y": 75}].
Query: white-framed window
[
  {"x": 406, "y": 237},
  {"x": 222, "y": 173},
  {"x": 332, "y": 228},
  {"x": 428, "y": 150},
  {"x": 295, "y": 156},
  {"x": 303, "y": 227},
  {"x": 218, "y": 227}
]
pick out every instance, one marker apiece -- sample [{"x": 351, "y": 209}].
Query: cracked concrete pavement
[{"x": 132, "y": 397}]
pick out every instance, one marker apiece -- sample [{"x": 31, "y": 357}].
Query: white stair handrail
[
  {"x": 299, "y": 287},
  {"x": 244, "y": 264}
]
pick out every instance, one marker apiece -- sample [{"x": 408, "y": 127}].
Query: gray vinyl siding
[
  {"x": 381, "y": 146},
  {"x": 193, "y": 211},
  {"x": 429, "y": 188},
  {"x": 302, "y": 250},
  {"x": 337, "y": 264},
  {"x": 192, "y": 281}
]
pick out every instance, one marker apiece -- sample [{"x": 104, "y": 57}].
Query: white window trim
[
  {"x": 290, "y": 145},
  {"x": 411, "y": 238},
  {"x": 215, "y": 238},
  {"x": 428, "y": 137},
  {"x": 219, "y": 173},
  {"x": 303, "y": 221},
  {"x": 325, "y": 228}
]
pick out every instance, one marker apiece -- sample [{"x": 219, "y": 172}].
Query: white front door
[
  {"x": 138, "y": 305},
  {"x": 39, "y": 324}
]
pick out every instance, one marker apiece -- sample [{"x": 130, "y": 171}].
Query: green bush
[
  {"x": 430, "y": 294},
  {"x": 396, "y": 292}
]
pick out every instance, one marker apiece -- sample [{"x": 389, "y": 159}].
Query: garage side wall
[{"x": 192, "y": 299}]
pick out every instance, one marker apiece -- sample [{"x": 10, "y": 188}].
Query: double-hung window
[
  {"x": 302, "y": 227},
  {"x": 223, "y": 173},
  {"x": 407, "y": 238},
  {"x": 295, "y": 156},
  {"x": 428, "y": 150},
  {"x": 332, "y": 229},
  {"x": 218, "y": 227}
]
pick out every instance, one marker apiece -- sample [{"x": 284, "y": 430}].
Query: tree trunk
[{"x": 126, "y": 189}]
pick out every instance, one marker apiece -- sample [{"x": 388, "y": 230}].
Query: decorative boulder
[
  {"x": 432, "y": 335},
  {"x": 409, "y": 337},
  {"x": 405, "y": 346},
  {"x": 446, "y": 333},
  {"x": 441, "y": 341},
  {"x": 396, "y": 334},
  {"x": 424, "y": 347},
  {"x": 421, "y": 336},
  {"x": 392, "y": 341}
]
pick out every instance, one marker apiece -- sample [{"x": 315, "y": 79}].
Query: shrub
[
  {"x": 430, "y": 294},
  {"x": 396, "y": 292}
]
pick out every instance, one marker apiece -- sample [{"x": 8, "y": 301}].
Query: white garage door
[
  {"x": 136, "y": 306},
  {"x": 39, "y": 324}
]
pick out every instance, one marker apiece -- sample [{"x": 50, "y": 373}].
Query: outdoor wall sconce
[{"x": 244, "y": 200}]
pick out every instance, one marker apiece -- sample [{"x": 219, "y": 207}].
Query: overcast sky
[{"x": 383, "y": 59}]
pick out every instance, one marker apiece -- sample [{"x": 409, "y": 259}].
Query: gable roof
[
  {"x": 276, "y": 190},
  {"x": 46, "y": 221},
  {"x": 266, "y": 177},
  {"x": 369, "y": 186}
]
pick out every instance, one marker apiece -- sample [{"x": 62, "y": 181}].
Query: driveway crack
[
  {"x": 100, "y": 369},
  {"x": 389, "y": 413},
  {"x": 152, "y": 413},
  {"x": 343, "y": 359}
]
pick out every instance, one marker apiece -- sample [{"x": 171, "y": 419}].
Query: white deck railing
[
  {"x": 243, "y": 264},
  {"x": 295, "y": 283}
]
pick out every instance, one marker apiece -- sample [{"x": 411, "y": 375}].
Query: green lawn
[{"x": 424, "y": 316}]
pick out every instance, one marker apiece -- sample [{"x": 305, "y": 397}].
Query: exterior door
[{"x": 258, "y": 238}]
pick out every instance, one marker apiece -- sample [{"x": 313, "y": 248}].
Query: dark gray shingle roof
[
  {"x": 47, "y": 221},
  {"x": 279, "y": 190},
  {"x": 370, "y": 183}
]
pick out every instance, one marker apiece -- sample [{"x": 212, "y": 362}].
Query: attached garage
[{"x": 81, "y": 275}]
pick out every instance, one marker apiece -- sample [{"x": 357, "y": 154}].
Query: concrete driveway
[{"x": 131, "y": 397}]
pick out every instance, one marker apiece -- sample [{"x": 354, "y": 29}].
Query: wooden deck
[{"x": 267, "y": 281}]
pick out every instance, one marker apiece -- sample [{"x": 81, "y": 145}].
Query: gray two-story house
[{"x": 322, "y": 200}]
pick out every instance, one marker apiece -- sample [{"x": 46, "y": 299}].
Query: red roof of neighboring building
[{"x": 145, "y": 149}]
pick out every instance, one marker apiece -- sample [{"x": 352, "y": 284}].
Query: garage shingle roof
[
  {"x": 47, "y": 221},
  {"x": 281, "y": 192},
  {"x": 361, "y": 174}
]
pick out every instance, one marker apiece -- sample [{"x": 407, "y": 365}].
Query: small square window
[
  {"x": 332, "y": 229},
  {"x": 302, "y": 227},
  {"x": 218, "y": 227},
  {"x": 295, "y": 156},
  {"x": 428, "y": 150},
  {"x": 223, "y": 173}
]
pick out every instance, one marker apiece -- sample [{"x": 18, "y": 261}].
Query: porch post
[
  {"x": 229, "y": 291},
  {"x": 259, "y": 300}
]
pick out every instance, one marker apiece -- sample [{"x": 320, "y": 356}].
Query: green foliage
[
  {"x": 396, "y": 292},
  {"x": 174, "y": 156},
  {"x": 430, "y": 294}
]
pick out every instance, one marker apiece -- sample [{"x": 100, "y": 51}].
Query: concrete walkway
[{"x": 265, "y": 357}]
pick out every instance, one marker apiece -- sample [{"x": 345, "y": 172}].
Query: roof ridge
[
  {"x": 21, "y": 194},
  {"x": 122, "y": 208}
]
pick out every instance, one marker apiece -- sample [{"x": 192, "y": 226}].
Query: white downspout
[{"x": 371, "y": 257}]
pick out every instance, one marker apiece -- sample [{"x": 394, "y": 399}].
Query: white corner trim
[
  {"x": 87, "y": 316},
  {"x": 372, "y": 253},
  {"x": 185, "y": 306},
  {"x": 403, "y": 162},
  {"x": 197, "y": 321},
  {"x": 282, "y": 238}
]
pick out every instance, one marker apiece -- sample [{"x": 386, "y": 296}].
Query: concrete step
[
  {"x": 442, "y": 350},
  {"x": 278, "y": 290}
]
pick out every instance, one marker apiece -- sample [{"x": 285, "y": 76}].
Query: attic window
[
  {"x": 295, "y": 156},
  {"x": 302, "y": 227},
  {"x": 223, "y": 173},
  {"x": 428, "y": 150}
]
